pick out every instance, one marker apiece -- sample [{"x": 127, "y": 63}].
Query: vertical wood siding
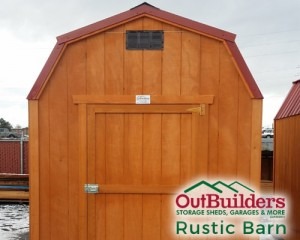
[
  {"x": 287, "y": 165},
  {"x": 100, "y": 65}
]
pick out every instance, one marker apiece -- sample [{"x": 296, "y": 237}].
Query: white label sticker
[{"x": 142, "y": 99}]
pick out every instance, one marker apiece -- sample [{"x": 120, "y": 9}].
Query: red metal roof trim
[
  {"x": 291, "y": 104},
  {"x": 47, "y": 69},
  {"x": 193, "y": 25},
  {"x": 142, "y": 10},
  {"x": 244, "y": 70},
  {"x": 98, "y": 26},
  {"x": 146, "y": 9}
]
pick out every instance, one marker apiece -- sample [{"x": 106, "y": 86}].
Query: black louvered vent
[{"x": 150, "y": 40}]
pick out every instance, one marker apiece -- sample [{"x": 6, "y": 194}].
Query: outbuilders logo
[{"x": 228, "y": 209}]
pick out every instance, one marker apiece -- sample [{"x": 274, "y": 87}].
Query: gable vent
[{"x": 145, "y": 40}]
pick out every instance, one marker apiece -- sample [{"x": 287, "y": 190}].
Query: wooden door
[{"x": 139, "y": 155}]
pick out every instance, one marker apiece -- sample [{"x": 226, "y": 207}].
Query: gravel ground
[{"x": 14, "y": 221}]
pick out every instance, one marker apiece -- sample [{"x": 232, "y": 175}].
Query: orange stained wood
[
  {"x": 210, "y": 69},
  {"x": 255, "y": 166},
  {"x": 131, "y": 99},
  {"x": 44, "y": 176},
  {"x": 138, "y": 166},
  {"x": 34, "y": 180},
  {"x": 59, "y": 162},
  {"x": 87, "y": 128},
  {"x": 286, "y": 169},
  {"x": 133, "y": 73},
  {"x": 228, "y": 104}
]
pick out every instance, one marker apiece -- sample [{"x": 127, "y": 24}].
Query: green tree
[{"x": 5, "y": 124}]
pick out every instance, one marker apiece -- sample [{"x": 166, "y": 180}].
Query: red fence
[{"x": 14, "y": 156}]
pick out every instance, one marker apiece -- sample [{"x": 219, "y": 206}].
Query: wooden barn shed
[
  {"x": 287, "y": 154},
  {"x": 139, "y": 104}
]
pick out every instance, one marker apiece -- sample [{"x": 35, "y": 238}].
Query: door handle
[{"x": 91, "y": 188}]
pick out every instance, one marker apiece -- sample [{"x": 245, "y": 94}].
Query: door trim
[
  {"x": 82, "y": 174},
  {"x": 111, "y": 103},
  {"x": 130, "y": 99}
]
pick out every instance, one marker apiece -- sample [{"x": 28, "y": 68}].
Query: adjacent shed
[
  {"x": 287, "y": 154},
  {"x": 139, "y": 103}
]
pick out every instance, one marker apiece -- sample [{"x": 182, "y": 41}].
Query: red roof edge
[
  {"x": 291, "y": 104},
  {"x": 297, "y": 81},
  {"x": 146, "y": 9},
  {"x": 193, "y": 25},
  {"x": 143, "y": 9},
  {"x": 244, "y": 70},
  {"x": 46, "y": 70}
]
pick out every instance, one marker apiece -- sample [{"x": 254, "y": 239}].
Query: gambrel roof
[
  {"x": 291, "y": 105},
  {"x": 145, "y": 10}
]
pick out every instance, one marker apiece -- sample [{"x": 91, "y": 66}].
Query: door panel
[
  {"x": 170, "y": 156},
  {"x": 152, "y": 149},
  {"x": 139, "y": 156}
]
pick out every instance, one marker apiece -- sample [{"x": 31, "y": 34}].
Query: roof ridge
[
  {"x": 297, "y": 81},
  {"x": 144, "y": 4}
]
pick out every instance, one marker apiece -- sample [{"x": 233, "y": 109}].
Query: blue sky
[{"x": 268, "y": 36}]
